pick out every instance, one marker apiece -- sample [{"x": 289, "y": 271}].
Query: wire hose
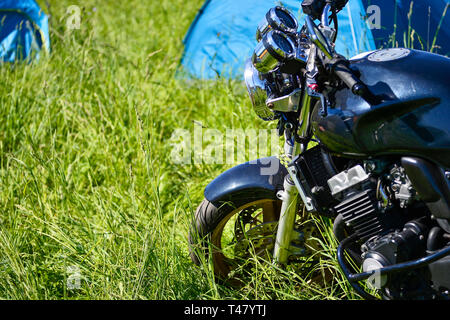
[
  {"x": 341, "y": 260},
  {"x": 409, "y": 265}
]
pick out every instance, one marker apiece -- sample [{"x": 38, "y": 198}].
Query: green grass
[
  {"x": 411, "y": 39},
  {"x": 86, "y": 180}
]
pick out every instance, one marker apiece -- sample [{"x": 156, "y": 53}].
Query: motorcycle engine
[
  {"x": 366, "y": 204},
  {"x": 391, "y": 228},
  {"x": 372, "y": 207},
  {"x": 376, "y": 202}
]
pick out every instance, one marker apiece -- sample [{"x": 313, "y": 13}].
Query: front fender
[{"x": 250, "y": 181}]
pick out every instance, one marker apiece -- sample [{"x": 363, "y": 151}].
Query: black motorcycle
[{"x": 379, "y": 167}]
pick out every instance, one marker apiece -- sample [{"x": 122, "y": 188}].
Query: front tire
[{"x": 232, "y": 232}]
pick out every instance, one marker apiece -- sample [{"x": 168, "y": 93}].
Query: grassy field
[{"x": 91, "y": 206}]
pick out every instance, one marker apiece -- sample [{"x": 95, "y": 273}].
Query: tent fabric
[
  {"x": 428, "y": 23},
  {"x": 222, "y": 36},
  {"x": 23, "y": 30},
  {"x": 354, "y": 34}
]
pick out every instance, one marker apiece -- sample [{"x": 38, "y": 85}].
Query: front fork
[
  {"x": 289, "y": 196},
  {"x": 285, "y": 231}
]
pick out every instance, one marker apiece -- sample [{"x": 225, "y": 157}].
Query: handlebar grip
[{"x": 343, "y": 72}]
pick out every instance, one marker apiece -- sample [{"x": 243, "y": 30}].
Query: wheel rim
[{"x": 252, "y": 225}]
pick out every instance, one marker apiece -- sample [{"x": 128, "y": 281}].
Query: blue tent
[
  {"x": 23, "y": 30},
  {"x": 426, "y": 21},
  {"x": 222, "y": 35}
]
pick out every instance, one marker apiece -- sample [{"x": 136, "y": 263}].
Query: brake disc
[{"x": 259, "y": 239}]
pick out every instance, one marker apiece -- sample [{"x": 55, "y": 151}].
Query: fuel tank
[{"x": 410, "y": 118}]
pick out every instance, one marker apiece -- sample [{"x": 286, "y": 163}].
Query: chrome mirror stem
[
  {"x": 325, "y": 14},
  {"x": 318, "y": 38}
]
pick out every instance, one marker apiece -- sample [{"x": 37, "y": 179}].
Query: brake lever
[{"x": 312, "y": 91}]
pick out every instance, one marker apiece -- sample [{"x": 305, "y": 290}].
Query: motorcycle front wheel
[{"x": 233, "y": 233}]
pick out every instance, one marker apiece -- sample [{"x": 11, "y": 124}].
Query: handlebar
[
  {"x": 340, "y": 68},
  {"x": 343, "y": 72},
  {"x": 337, "y": 64}
]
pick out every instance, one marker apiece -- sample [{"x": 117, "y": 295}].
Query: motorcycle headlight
[
  {"x": 256, "y": 87},
  {"x": 273, "y": 49},
  {"x": 277, "y": 18},
  {"x": 264, "y": 106}
]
